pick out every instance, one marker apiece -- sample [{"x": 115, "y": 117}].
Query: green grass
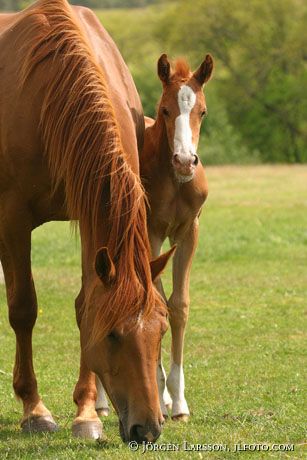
[{"x": 244, "y": 357}]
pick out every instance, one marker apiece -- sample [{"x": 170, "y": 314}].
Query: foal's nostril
[{"x": 196, "y": 160}]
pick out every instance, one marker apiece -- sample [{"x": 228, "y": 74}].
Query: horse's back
[
  {"x": 22, "y": 159},
  {"x": 7, "y": 20},
  {"x": 122, "y": 91}
]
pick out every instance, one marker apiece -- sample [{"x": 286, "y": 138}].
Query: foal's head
[{"x": 182, "y": 107}]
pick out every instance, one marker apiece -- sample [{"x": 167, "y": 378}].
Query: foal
[{"x": 176, "y": 187}]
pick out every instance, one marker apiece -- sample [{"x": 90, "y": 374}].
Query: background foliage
[{"x": 257, "y": 99}]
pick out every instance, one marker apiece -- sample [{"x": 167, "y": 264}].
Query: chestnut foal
[{"x": 176, "y": 187}]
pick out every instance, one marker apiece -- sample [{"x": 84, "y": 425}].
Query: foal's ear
[
  {"x": 158, "y": 265},
  {"x": 164, "y": 68},
  {"x": 204, "y": 72},
  {"x": 104, "y": 266}
]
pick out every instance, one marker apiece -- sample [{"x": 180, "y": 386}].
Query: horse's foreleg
[
  {"x": 179, "y": 309},
  {"x": 15, "y": 255},
  {"x": 164, "y": 396},
  {"x": 87, "y": 423}
]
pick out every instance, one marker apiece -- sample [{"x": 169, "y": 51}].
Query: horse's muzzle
[{"x": 141, "y": 433}]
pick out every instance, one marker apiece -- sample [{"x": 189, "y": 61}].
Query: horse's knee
[{"x": 22, "y": 313}]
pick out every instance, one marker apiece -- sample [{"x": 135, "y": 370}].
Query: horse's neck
[{"x": 156, "y": 153}]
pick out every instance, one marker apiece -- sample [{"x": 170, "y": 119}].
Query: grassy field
[{"x": 245, "y": 366}]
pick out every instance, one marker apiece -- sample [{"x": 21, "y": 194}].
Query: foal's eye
[
  {"x": 203, "y": 113},
  {"x": 165, "y": 111}
]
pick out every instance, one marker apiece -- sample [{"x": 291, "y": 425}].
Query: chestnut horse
[
  {"x": 176, "y": 187},
  {"x": 71, "y": 124}
]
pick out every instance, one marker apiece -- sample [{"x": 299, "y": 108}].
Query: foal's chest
[{"x": 171, "y": 216}]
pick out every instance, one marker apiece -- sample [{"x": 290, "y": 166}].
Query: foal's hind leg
[
  {"x": 15, "y": 248},
  {"x": 179, "y": 309}
]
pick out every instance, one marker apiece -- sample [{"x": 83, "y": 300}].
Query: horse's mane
[{"x": 83, "y": 146}]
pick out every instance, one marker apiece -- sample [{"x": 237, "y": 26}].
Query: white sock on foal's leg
[
  {"x": 165, "y": 399},
  {"x": 175, "y": 385},
  {"x": 102, "y": 405}
]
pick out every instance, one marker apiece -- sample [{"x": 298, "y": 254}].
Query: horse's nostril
[
  {"x": 196, "y": 160},
  {"x": 136, "y": 433},
  {"x": 141, "y": 433},
  {"x": 176, "y": 158}
]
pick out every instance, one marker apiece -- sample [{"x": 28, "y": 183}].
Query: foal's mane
[
  {"x": 83, "y": 146},
  {"x": 181, "y": 70}
]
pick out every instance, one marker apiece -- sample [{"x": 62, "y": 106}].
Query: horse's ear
[
  {"x": 164, "y": 68},
  {"x": 104, "y": 266},
  {"x": 158, "y": 265},
  {"x": 204, "y": 72}
]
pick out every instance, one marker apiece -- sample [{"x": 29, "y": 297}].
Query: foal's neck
[{"x": 157, "y": 153}]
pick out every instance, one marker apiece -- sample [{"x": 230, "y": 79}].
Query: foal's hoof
[
  {"x": 180, "y": 418},
  {"x": 88, "y": 430},
  {"x": 103, "y": 412},
  {"x": 39, "y": 424}
]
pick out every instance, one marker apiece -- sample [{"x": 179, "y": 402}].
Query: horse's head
[
  {"x": 182, "y": 107},
  {"x": 125, "y": 357}
]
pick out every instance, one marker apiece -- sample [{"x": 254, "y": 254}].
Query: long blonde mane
[{"x": 84, "y": 150}]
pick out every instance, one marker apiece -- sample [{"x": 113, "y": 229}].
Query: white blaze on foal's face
[
  {"x": 184, "y": 154},
  {"x": 182, "y": 108},
  {"x": 183, "y": 143}
]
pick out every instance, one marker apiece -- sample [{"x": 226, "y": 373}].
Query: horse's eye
[
  {"x": 203, "y": 113},
  {"x": 165, "y": 111},
  {"x": 113, "y": 337}
]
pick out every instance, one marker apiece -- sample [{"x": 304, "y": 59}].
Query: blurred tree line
[{"x": 257, "y": 98}]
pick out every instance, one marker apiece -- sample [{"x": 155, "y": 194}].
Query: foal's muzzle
[{"x": 184, "y": 165}]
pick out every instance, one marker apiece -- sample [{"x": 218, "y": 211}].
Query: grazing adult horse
[
  {"x": 70, "y": 122},
  {"x": 176, "y": 187}
]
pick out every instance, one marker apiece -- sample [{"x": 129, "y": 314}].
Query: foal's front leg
[
  {"x": 102, "y": 404},
  {"x": 179, "y": 310},
  {"x": 164, "y": 396},
  {"x": 86, "y": 423},
  {"x": 15, "y": 248}
]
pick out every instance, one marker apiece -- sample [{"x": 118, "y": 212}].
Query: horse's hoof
[
  {"x": 88, "y": 430},
  {"x": 180, "y": 418},
  {"x": 39, "y": 424},
  {"x": 103, "y": 412}
]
